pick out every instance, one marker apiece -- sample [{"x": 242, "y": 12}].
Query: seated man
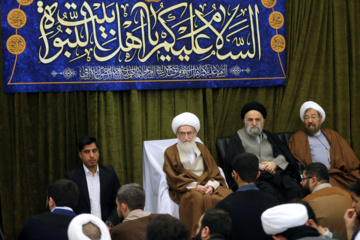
[
  {"x": 214, "y": 224},
  {"x": 246, "y": 205},
  {"x": 130, "y": 201},
  {"x": 287, "y": 222},
  {"x": 62, "y": 198},
  {"x": 352, "y": 215},
  {"x": 166, "y": 227},
  {"x": 194, "y": 179},
  {"x": 87, "y": 226},
  {"x": 329, "y": 203},
  {"x": 277, "y": 165},
  {"x": 316, "y": 144}
]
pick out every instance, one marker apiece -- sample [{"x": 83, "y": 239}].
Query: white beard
[
  {"x": 254, "y": 131},
  {"x": 187, "y": 146}
]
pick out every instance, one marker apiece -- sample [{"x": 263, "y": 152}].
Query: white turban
[
  {"x": 313, "y": 105},
  {"x": 186, "y": 118},
  {"x": 75, "y": 230},
  {"x": 280, "y": 218}
]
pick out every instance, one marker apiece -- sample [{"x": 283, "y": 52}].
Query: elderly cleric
[{"x": 194, "y": 179}]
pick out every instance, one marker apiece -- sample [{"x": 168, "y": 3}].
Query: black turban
[{"x": 253, "y": 106}]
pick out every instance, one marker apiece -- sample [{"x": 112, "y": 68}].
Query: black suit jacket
[
  {"x": 109, "y": 185},
  {"x": 245, "y": 209},
  {"x": 46, "y": 226}
]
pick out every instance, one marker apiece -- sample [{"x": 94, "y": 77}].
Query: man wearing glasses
[
  {"x": 329, "y": 203},
  {"x": 316, "y": 144},
  {"x": 194, "y": 179}
]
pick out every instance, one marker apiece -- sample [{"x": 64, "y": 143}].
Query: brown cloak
[
  {"x": 329, "y": 205},
  {"x": 344, "y": 164},
  {"x": 192, "y": 204}
]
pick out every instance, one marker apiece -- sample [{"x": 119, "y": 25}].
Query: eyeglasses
[
  {"x": 183, "y": 134},
  {"x": 302, "y": 178},
  {"x": 312, "y": 118}
]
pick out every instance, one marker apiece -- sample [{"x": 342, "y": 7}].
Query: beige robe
[
  {"x": 192, "y": 204},
  {"x": 343, "y": 162}
]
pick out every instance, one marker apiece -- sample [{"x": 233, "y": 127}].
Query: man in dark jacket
[
  {"x": 277, "y": 166},
  {"x": 97, "y": 184},
  {"x": 246, "y": 205},
  {"x": 62, "y": 197}
]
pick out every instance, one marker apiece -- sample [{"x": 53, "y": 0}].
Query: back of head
[
  {"x": 355, "y": 187},
  {"x": 166, "y": 227},
  {"x": 91, "y": 231},
  {"x": 247, "y": 166},
  {"x": 218, "y": 221},
  {"x": 281, "y": 218},
  {"x": 64, "y": 192},
  {"x": 87, "y": 226},
  {"x": 133, "y": 195},
  {"x": 87, "y": 141},
  {"x": 317, "y": 170}
]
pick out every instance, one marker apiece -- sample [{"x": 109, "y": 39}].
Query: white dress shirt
[{"x": 93, "y": 184}]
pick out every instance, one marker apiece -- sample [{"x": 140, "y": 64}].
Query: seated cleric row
[{"x": 194, "y": 179}]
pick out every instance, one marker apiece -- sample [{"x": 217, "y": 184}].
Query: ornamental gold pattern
[
  {"x": 16, "y": 44},
  {"x": 268, "y": 3},
  {"x": 276, "y": 20},
  {"x": 16, "y": 18},
  {"x": 278, "y": 43},
  {"x": 25, "y": 2}
]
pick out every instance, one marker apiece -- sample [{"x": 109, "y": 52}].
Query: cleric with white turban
[
  {"x": 185, "y": 119},
  {"x": 75, "y": 230},
  {"x": 280, "y": 218},
  {"x": 312, "y": 105}
]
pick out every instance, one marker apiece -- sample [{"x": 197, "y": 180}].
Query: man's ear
[
  {"x": 124, "y": 207},
  {"x": 52, "y": 203},
  {"x": 258, "y": 175},
  {"x": 205, "y": 233}
]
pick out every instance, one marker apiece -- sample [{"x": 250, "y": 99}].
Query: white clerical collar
[{"x": 317, "y": 133}]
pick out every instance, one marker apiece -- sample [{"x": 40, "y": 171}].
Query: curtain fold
[{"x": 39, "y": 131}]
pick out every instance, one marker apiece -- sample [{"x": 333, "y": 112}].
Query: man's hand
[
  {"x": 268, "y": 167},
  {"x": 350, "y": 222},
  {"x": 204, "y": 189}
]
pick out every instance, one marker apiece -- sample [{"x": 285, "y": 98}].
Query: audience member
[
  {"x": 214, "y": 224},
  {"x": 329, "y": 203},
  {"x": 130, "y": 202},
  {"x": 287, "y": 222},
  {"x": 166, "y": 227},
  {"x": 277, "y": 165},
  {"x": 62, "y": 197},
  {"x": 98, "y": 184},
  {"x": 316, "y": 144},
  {"x": 87, "y": 226},
  {"x": 352, "y": 215},
  {"x": 246, "y": 205},
  {"x": 194, "y": 179},
  {"x": 312, "y": 222}
]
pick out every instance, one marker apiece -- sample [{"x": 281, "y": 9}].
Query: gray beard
[
  {"x": 311, "y": 131},
  {"x": 187, "y": 146},
  {"x": 254, "y": 131}
]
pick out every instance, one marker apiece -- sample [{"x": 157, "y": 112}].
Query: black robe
[{"x": 284, "y": 184}]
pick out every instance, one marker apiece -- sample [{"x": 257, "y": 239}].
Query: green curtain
[{"x": 39, "y": 131}]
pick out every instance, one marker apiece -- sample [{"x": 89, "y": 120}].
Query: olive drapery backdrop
[{"x": 39, "y": 131}]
